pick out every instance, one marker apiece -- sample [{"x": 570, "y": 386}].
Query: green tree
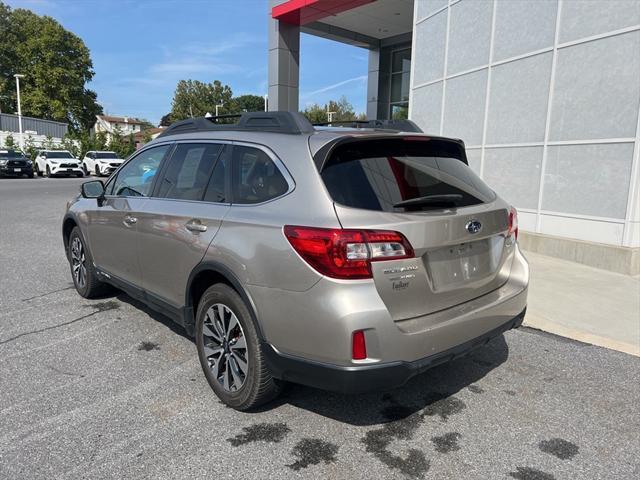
[
  {"x": 9, "y": 142},
  {"x": 146, "y": 137},
  {"x": 166, "y": 120},
  {"x": 56, "y": 64},
  {"x": 248, "y": 103},
  {"x": 71, "y": 145},
  {"x": 121, "y": 144},
  {"x": 342, "y": 111},
  {"x": 193, "y": 98},
  {"x": 48, "y": 143},
  {"x": 30, "y": 148},
  {"x": 315, "y": 113}
]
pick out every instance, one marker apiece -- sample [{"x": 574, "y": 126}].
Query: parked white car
[
  {"x": 57, "y": 162},
  {"x": 100, "y": 162}
]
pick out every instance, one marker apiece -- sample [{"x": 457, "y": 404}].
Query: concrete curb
[{"x": 533, "y": 321}]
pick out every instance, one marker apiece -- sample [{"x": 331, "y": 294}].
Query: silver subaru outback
[{"x": 349, "y": 259}]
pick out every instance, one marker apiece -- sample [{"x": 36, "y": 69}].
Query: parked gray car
[{"x": 348, "y": 259}]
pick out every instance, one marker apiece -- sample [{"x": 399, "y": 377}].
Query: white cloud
[{"x": 361, "y": 78}]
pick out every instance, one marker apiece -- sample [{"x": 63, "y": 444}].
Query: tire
[
  {"x": 37, "y": 169},
  {"x": 97, "y": 171},
  {"x": 87, "y": 285},
  {"x": 48, "y": 171},
  {"x": 80, "y": 174},
  {"x": 30, "y": 175},
  {"x": 222, "y": 365}
]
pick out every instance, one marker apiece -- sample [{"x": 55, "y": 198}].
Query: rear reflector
[
  {"x": 344, "y": 253},
  {"x": 359, "y": 346},
  {"x": 513, "y": 223}
]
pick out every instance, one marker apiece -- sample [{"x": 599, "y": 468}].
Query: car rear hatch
[{"x": 421, "y": 187}]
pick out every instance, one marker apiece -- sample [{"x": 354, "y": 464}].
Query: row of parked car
[{"x": 53, "y": 163}]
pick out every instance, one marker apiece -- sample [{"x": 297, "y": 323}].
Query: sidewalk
[{"x": 584, "y": 303}]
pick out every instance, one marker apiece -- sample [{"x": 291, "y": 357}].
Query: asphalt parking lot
[{"x": 108, "y": 389}]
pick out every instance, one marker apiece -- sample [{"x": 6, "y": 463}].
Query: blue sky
[{"x": 140, "y": 49}]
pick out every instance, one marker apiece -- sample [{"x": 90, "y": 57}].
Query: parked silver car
[{"x": 349, "y": 259}]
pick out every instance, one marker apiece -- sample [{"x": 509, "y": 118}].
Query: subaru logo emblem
[{"x": 474, "y": 226}]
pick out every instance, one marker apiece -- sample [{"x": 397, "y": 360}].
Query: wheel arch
[
  {"x": 204, "y": 275},
  {"x": 68, "y": 224}
]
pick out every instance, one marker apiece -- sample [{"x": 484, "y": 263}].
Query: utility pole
[
  {"x": 266, "y": 102},
  {"x": 18, "y": 77}
]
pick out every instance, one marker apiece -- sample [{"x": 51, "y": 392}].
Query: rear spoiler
[
  {"x": 322, "y": 156},
  {"x": 395, "y": 125}
]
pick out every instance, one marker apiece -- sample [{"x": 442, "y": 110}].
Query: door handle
[
  {"x": 129, "y": 220},
  {"x": 196, "y": 226}
]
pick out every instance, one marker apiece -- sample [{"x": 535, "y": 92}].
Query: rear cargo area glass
[{"x": 380, "y": 174}]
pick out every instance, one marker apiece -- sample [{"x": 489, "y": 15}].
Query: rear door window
[
  {"x": 403, "y": 175},
  {"x": 188, "y": 171},
  {"x": 256, "y": 178}
]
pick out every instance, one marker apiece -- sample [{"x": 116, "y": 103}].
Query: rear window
[{"x": 403, "y": 175}]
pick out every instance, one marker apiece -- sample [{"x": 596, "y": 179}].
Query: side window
[
  {"x": 256, "y": 177},
  {"x": 188, "y": 171},
  {"x": 136, "y": 177}
]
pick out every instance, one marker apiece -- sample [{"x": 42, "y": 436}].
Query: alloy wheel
[
  {"x": 78, "y": 262},
  {"x": 225, "y": 347}
]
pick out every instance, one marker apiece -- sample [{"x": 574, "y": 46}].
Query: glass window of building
[{"x": 400, "y": 71}]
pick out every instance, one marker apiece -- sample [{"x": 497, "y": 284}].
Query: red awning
[{"x": 301, "y": 12}]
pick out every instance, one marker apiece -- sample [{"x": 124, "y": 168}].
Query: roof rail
[
  {"x": 277, "y": 122},
  {"x": 397, "y": 125}
]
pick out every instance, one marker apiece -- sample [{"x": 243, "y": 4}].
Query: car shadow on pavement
[
  {"x": 432, "y": 393},
  {"x": 157, "y": 316}
]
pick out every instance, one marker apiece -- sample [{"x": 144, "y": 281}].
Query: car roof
[{"x": 268, "y": 128}]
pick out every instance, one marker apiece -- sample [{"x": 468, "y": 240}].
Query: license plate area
[
  {"x": 464, "y": 264},
  {"x": 17, "y": 169}
]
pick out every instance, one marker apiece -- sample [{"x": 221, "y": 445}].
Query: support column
[
  {"x": 284, "y": 64},
  {"x": 373, "y": 84}
]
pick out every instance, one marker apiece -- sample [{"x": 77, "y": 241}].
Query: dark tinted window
[
  {"x": 104, "y": 155},
  {"x": 401, "y": 175},
  {"x": 256, "y": 178},
  {"x": 187, "y": 173},
  {"x": 58, "y": 155},
  {"x": 136, "y": 177},
  {"x": 216, "y": 191},
  {"x": 10, "y": 154}
]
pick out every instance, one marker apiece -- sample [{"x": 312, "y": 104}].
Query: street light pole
[
  {"x": 218, "y": 107},
  {"x": 18, "y": 77}
]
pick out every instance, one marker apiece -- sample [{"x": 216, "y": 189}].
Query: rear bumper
[{"x": 368, "y": 378}]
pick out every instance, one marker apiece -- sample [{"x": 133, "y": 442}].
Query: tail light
[
  {"x": 513, "y": 223},
  {"x": 345, "y": 253}
]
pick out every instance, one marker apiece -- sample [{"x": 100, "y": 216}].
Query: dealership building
[{"x": 544, "y": 93}]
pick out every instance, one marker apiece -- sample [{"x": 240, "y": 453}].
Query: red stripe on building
[{"x": 301, "y": 12}]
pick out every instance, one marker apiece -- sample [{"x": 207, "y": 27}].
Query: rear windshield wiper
[{"x": 447, "y": 199}]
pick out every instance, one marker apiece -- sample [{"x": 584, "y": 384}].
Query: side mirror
[{"x": 93, "y": 189}]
